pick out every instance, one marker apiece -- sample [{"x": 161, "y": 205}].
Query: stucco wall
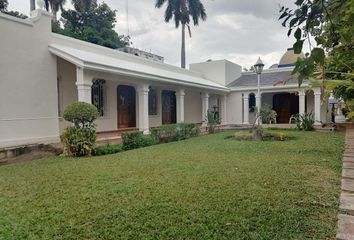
[
  {"x": 28, "y": 84},
  {"x": 193, "y": 107},
  {"x": 235, "y": 108}
]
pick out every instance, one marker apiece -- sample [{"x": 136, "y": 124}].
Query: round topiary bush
[
  {"x": 81, "y": 114},
  {"x": 80, "y": 139}
]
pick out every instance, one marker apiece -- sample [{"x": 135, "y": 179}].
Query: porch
[
  {"x": 287, "y": 103},
  {"x": 127, "y": 103}
]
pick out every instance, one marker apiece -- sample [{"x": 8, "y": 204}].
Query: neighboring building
[
  {"x": 143, "y": 54},
  {"x": 42, "y": 72}
]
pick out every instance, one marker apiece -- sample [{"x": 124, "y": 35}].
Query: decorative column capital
[
  {"x": 180, "y": 92},
  {"x": 317, "y": 91},
  {"x": 302, "y": 93},
  {"x": 143, "y": 88},
  {"x": 205, "y": 95}
]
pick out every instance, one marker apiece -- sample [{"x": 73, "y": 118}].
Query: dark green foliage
[
  {"x": 80, "y": 139},
  {"x": 81, "y": 114},
  {"x": 3, "y": 5},
  {"x": 212, "y": 121},
  {"x": 135, "y": 140},
  {"x": 78, "y": 142},
  {"x": 268, "y": 115},
  {"x": 91, "y": 22},
  {"x": 328, "y": 28},
  {"x": 175, "y": 132},
  {"x": 107, "y": 149},
  {"x": 305, "y": 122}
]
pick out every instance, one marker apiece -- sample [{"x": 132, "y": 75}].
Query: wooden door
[
  {"x": 169, "y": 108},
  {"x": 126, "y": 106},
  {"x": 285, "y": 105}
]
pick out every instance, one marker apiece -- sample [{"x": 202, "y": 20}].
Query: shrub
[
  {"x": 305, "y": 122},
  {"x": 78, "y": 142},
  {"x": 212, "y": 121},
  {"x": 107, "y": 149},
  {"x": 81, "y": 114},
  {"x": 79, "y": 139},
  {"x": 266, "y": 136},
  {"x": 134, "y": 140},
  {"x": 175, "y": 132},
  {"x": 268, "y": 115}
]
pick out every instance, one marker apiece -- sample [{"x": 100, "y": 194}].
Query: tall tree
[
  {"x": 54, "y": 6},
  {"x": 327, "y": 25},
  {"x": 182, "y": 11},
  {"x": 91, "y": 22}
]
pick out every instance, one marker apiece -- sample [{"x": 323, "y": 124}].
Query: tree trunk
[
  {"x": 32, "y": 5},
  {"x": 183, "y": 50},
  {"x": 55, "y": 13}
]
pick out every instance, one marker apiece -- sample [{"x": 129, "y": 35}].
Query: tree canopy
[
  {"x": 327, "y": 25},
  {"x": 91, "y": 22},
  {"x": 3, "y": 9}
]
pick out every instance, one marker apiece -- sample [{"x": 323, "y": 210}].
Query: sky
[{"x": 237, "y": 30}]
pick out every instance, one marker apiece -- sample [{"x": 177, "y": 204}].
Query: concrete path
[{"x": 346, "y": 216}]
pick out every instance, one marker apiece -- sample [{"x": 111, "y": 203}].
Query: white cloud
[{"x": 237, "y": 30}]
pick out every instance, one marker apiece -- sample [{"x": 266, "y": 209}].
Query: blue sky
[{"x": 237, "y": 30}]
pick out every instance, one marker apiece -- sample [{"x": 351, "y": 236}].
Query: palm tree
[
  {"x": 182, "y": 11},
  {"x": 54, "y": 6}
]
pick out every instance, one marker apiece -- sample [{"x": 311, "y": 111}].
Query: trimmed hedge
[
  {"x": 134, "y": 140},
  {"x": 175, "y": 132},
  {"x": 107, "y": 149}
]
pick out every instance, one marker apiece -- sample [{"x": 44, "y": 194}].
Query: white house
[{"x": 42, "y": 72}]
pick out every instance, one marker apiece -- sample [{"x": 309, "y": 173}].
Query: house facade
[{"x": 42, "y": 72}]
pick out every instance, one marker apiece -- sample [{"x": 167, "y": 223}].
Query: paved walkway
[{"x": 346, "y": 216}]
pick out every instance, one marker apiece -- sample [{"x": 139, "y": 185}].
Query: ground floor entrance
[
  {"x": 126, "y": 102},
  {"x": 286, "y": 105},
  {"x": 169, "y": 115}
]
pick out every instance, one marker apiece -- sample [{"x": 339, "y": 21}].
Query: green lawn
[{"x": 203, "y": 188}]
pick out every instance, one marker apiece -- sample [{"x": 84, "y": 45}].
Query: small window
[
  {"x": 252, "y": 102},
  {"x": 98, "y": 95},
  {"x": 152, "y": 102}
]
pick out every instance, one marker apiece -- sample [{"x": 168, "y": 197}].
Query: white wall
[
  {"x": 235, "y": 108},
  {"x": 221, "y": 71},
  {"x": 28, "y": 84},
  {"x": 193, "y": 106}
]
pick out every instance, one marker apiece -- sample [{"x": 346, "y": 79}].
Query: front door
[
  {"x": 169, "y": 115},
  {"x": 286, "y": 105},
  {"x": 126, "y": 107}
]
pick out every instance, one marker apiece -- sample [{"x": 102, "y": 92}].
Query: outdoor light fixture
[{"x": 258, "y": 68}]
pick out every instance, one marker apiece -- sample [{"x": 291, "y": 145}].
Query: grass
[{"x": 203, "y": 188}]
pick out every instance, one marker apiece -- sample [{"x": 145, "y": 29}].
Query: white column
[
  {"x": 224, "y": 109},
  {"x": 246, "y": 110},
  {"x": 302, "y": 102},
  {"x": 317, "y": 106},
  {"x": 258, "y": 101},
  {"x": 143, "y": 101},
  {"x": 180, "y": 93},
  {"x": 205, "y": 107},
  {"x": 83, "y": 86}
]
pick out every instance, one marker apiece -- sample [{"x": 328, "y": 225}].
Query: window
[
  {"x": 252, "y": 102},
  {"x": 98, "y": 95},
  {"x": 152, "y": 102}
]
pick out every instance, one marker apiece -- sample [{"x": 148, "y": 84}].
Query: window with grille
[
  {"x": 98, "y": 95},
  {"x": 152, "y": 102},
  {"x": 252, "y": 102}
]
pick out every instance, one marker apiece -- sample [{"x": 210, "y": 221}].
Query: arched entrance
[
  {"x": 169, "y": 115},
  {"x": 126, "y": 102}
]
